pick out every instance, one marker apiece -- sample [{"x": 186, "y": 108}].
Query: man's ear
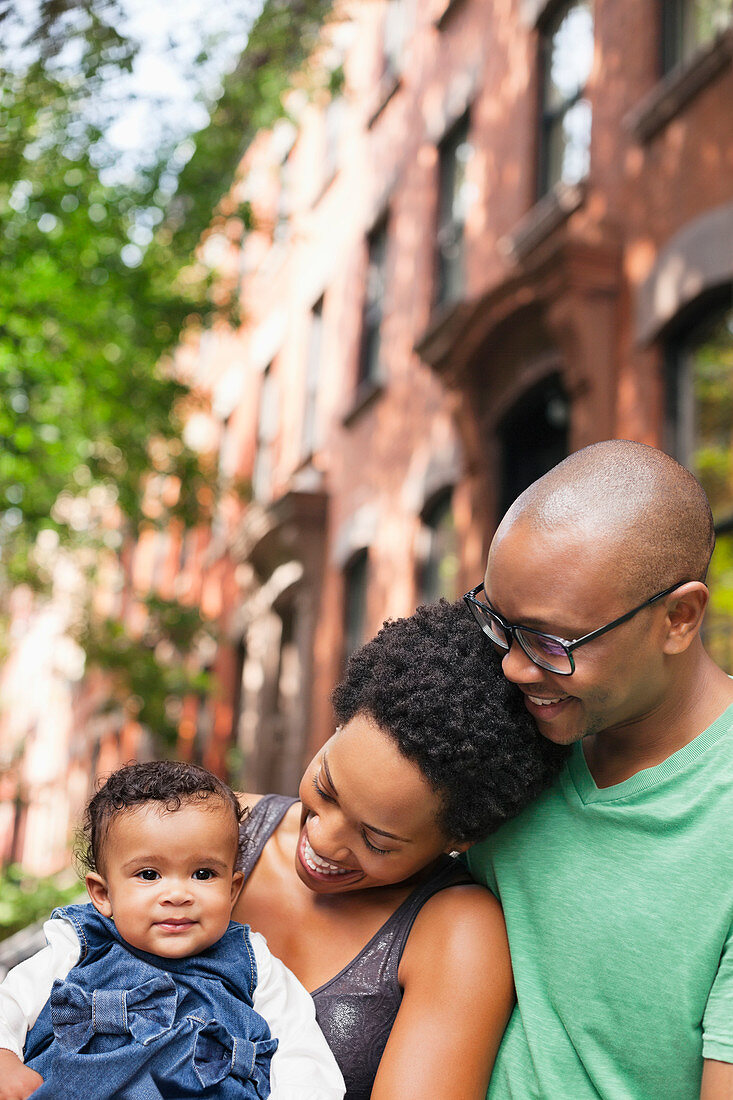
[
  {"x": 98, "y": 894},
  {"x": 685, "y": 610},
  {"x": 237, "y": 884}
]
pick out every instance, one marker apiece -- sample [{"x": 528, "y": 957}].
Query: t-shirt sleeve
[
  {"x": 303, "y": 1067},
  {"x": 480, "y": 866},
  {"x": 27, "y": 986},
  {"x": 717, "y": 1021}
]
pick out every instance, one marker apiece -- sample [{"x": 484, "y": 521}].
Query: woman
[{"x": 354, "y": 885}]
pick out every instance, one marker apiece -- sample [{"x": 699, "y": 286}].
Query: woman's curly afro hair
[{"x": 434, "y": 683}]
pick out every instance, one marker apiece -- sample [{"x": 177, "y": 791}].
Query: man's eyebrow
[
  {"x": 532, "y": 624},
  {"x": 371, "y": 828}
]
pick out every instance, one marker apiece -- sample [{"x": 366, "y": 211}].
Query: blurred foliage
[
  {"x": 25, "y": 899},
  {"x": 85, "y": 312},
  {"x": 279, "y": 42},
  {"x": 709, "y": 362},
  {"x": 711, "y": 366},
  {"x": 97, "y": 278},
  {"x": 149, "y": 675}
]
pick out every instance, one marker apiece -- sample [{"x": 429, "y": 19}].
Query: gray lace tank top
[{"x": 357, "y": 1007}]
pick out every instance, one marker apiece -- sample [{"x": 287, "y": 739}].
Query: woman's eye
[
  {"x": 148, "y": 874},
  {"x": 203, "y": 874},
  {"x": 321, "y": 793},
  {"x": 373, "y": 847}
]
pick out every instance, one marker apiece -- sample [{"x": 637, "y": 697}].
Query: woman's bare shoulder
[
  {"x": 248, "y": 800},
  {"x": 462, "y": 918},
  {"x": 290, "y": 820}
]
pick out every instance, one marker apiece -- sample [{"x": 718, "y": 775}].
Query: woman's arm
[{"x": 458, "y": 996}]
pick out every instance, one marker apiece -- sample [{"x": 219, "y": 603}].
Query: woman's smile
[{"x": 319, "y": 868}]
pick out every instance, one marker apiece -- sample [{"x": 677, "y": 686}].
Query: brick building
[
  {"x": 506, "y": 231},
  {"x": 507, "y": 235}
]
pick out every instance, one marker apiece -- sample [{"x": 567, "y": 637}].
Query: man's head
[{"x": 600, "y": 534}]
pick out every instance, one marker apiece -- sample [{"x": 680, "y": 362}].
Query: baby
[{"x": 151, "y": 991}]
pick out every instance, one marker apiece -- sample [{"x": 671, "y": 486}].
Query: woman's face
[{"x": 369, "y": 815}]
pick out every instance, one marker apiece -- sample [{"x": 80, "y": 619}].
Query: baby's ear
[
  {"x": 237, "y": 884},
  {"x": 98, "y": 894}
]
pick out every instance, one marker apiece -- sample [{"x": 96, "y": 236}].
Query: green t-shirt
[{"x": 619, "y": 909}]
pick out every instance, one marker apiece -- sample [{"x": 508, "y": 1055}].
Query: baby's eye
[
  {"x": 203, "y": 874},
  {"x": 148, "y": 874}
]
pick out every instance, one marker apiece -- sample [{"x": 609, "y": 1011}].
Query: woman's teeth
[
  {"x": 542, "y": 702},
  {"x": 321, "y": 866}
]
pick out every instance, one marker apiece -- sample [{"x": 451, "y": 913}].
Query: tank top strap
[
  {"x": 450, "y": 873},
  {"x": 261, "y": 822}
]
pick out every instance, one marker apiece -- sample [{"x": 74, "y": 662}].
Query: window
[
  {"x": 439, "y": 569},
  {"x": 369, "y": 355},
  {"x": 567, "y": 56},
  {"x": 454, "y": 154},
  {"x": 355, "y": 594},
  {"x": 701, "y": 408},
  {"x": 267, "y": 425},
  {"x": 333, "y": 125},
  {"x": 309, "y": 440},
  {"x": 533, "y": 437},
  {"x": 282, "y": 229},
  {"x": 394, "y": 38},
  {"x": 689, "y": 24}
]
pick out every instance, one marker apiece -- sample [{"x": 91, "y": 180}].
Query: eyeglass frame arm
[{"x": 567, "y": 645}]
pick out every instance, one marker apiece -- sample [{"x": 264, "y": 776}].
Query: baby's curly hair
[
  {"x": 434, "y": 683},
  {"x": 172, "y": 783}
]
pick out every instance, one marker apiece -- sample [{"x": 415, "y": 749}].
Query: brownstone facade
[{"x": 508, "y": 234}]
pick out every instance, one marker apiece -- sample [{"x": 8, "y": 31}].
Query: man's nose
[{"x": 518, "y": 667}]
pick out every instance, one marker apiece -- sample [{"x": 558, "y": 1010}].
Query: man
[{"x": 617, "y": 884}]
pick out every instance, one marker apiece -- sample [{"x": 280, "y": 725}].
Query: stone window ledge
[
  {"x": 548, "y": 214},
  {"x": 448, "y": 11},
  {"x": 387, "y": 88},
  {"x": 367, "y": 392},
  {"x": 678, "y": 87}
]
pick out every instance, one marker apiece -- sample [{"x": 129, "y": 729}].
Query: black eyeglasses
[{"x": 546, "y": 650}]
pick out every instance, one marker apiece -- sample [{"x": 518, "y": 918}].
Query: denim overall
[{"x": 126, "y": 1025}]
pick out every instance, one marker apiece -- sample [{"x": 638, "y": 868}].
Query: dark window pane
[
  {"x": 439, "y": 572},
  {"x": 689, "y": 24},
  {"x": 454, "y": 155},
  {"x": 369, "y": 355},
  {"x": 533, "y": 437},
  {"x": 355, "y": 593}
]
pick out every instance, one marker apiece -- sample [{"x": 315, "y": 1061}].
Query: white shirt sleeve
[
  {"x": 303, "y": 1067},
  {"x": 27, "y": 986}
]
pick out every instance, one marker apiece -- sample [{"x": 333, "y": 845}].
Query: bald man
[{"x": 617, "y": 883}]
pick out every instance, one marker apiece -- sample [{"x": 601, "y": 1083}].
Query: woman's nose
[{"x": 327, "y": 833}]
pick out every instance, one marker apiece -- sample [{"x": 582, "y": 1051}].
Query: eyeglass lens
[{"x": 545, "y": 651}]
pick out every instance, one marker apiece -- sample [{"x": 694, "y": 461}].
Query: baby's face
[{"x": 168, "y": 878}]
